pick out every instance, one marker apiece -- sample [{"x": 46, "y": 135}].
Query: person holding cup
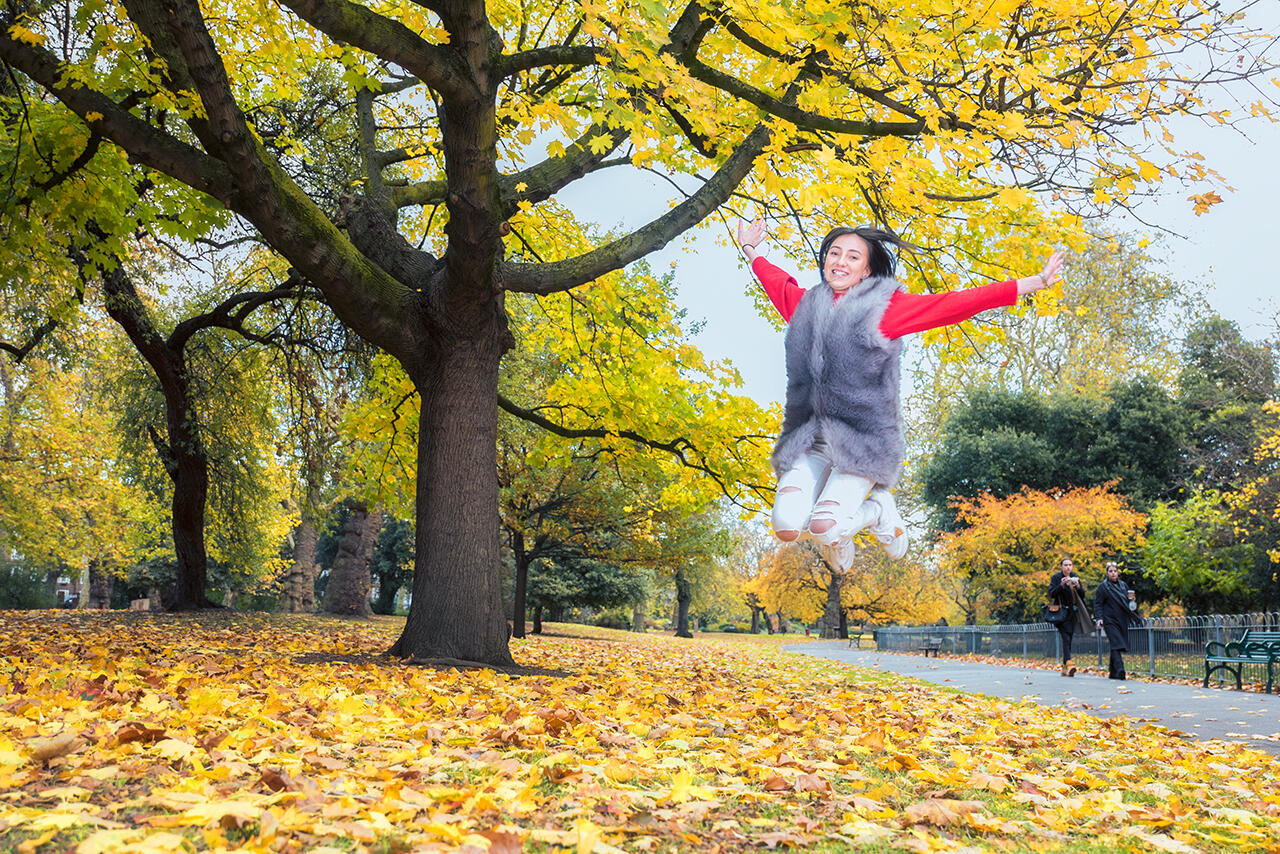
[{"x": 1115, "y": 607}]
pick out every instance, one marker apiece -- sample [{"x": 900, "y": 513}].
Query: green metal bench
[{"x": 1253, "y": 647}]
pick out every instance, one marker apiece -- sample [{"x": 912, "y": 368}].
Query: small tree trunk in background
[
  {"x": 347, "y": 592},
  {"x": 100, "y": 586},
  {"x": 755, "y": 619},
  {"x": 298, "y": 590},
  {"x": 537, "y": 619},
  {"x": 684, "y": 595},
  {"x": 369, "y": 539},
  {"x": 831, "y": 613},
  {"x": 638, "y": 615},
  {"x": 783, "y": 626},
  {"x": 522, "y": 584}
]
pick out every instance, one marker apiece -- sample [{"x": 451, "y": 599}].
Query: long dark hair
[{"x": 883, "y": 261}]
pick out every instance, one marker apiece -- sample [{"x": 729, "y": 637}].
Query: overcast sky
[{"x": 1232, "y": 249}]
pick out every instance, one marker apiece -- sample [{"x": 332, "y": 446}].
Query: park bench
[
  {"x": 1253, "y": 647},
  {"x": 931, "y": 646},
  {"x": 855, "y": 639}
]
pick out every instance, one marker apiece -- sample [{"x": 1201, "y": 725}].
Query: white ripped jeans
[{"x": 816, "y": 498}]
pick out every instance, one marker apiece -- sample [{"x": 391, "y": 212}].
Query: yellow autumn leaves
[{"x": 234, "y": 732}]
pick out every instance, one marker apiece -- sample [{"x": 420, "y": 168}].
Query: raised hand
[
  {"x": 1051, "y": 273},
  {"x": 751, "y": 235}
]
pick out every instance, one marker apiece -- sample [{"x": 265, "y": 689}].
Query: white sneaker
[
  {"x": 889, "y": 527},
  {"x": 842, "y": 553}
]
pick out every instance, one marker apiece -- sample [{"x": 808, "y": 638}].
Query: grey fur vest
[{"x": 843, "y": 382}]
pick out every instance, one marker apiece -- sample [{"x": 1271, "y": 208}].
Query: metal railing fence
[{"x": 1161, "y": 646}]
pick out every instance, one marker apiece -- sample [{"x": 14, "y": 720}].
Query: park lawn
[{"x": 274, "y": 733}]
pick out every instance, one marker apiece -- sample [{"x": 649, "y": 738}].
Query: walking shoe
[{"x": 888, "y": 527}]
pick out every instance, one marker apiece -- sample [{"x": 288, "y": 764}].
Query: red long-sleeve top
[{"x": 906, "y": 313}]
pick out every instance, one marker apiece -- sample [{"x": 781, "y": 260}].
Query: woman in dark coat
[
  {"x": 1066, "y": 589},
  {"x": 1115, "y": 608}
]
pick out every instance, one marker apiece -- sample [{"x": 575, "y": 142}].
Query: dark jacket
[
  {"x": 1073, "y": 601},
  {"x": 843, "y": 382},
  {"x": 1111, "y": 606}
]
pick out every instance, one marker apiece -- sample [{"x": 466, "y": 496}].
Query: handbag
[{"x": 1055, "y": 614}]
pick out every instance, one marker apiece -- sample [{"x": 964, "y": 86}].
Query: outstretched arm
[
  {"x": 909, "y": 313},
  {"x": 779, "y": 285}
]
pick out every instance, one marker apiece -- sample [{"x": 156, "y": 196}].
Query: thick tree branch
[
  {"x": 354, "y": 24},
  {"x": 571, "y": 272},
  {"x": 542, "y": 180},
  {"x": 361, "y": 293},
  {"x": 144, "y": 143},
  {"x": 791, "y": 113},
  {"x": 576, "y": 56}
]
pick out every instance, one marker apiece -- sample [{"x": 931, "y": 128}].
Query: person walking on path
[
  {"x": 841, "y": 446},
  {"x": 1066, "y": 590},
  {"x": 1115, "y": 607}
]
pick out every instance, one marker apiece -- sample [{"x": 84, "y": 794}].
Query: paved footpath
[{"x": 1202, "y": 713}]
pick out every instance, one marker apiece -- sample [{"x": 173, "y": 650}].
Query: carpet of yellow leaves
[{"x": 138, "y": 733}]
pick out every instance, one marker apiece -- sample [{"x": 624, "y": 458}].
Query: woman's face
[
  {"x": 1113, "y": 572},
  {"x": 847, "y": 263}
]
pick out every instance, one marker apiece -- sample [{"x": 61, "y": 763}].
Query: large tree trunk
[
  {"x": 298, "y": 590},
  {"x": 522, "y": 583},
  {"x": 684, "y": 596},
  {"x": 457, "y": 608},
  {"x": 347, "y": 591}
]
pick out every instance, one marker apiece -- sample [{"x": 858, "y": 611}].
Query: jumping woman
[{"x": 841, "y": 446}]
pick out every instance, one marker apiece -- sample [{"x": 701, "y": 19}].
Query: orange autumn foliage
[{"x": 1000, "y": 560}]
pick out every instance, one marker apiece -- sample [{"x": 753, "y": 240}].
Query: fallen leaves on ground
[{"x": 143, "y": 733}]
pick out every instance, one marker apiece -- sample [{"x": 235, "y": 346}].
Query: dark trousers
[
  {"x": 1065, "y": 637},
  {"x": 1117, "y": 664}
]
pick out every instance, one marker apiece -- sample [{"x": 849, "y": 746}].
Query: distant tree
[
  {"x": 392, "y": 567},
  {"x": 1000, "y": 442},
  {"x": 803, "y": 583},
  {"x": 1117, "y": 318},
  {"x": 998, "y": 561},
  {"x": 1224, "y": 382},
  {"x": 1193, "y": 554},
  {"x": 349, "y": 581},
  {"x": 1255, "y": 512},
  {"x": 196, "y": 374},
  {"x": 568, "y": 580}
]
